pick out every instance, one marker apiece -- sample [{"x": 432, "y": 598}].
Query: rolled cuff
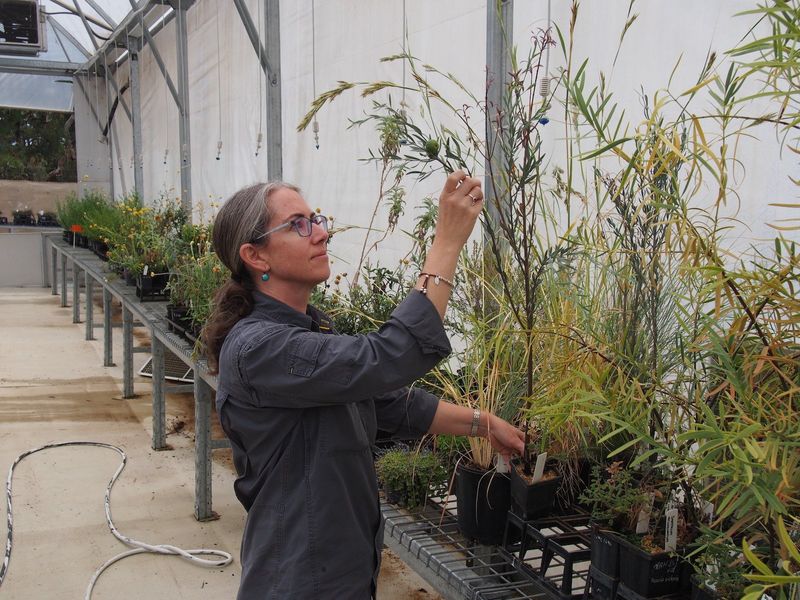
[{"x": 418, "y": 315}]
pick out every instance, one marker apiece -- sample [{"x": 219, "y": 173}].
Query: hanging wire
[
  {"x": 260, "y": 137},
  {"x": 219, "y": 89},
  {"x": 403, "y": 104},
  {"x": 130, "y": 77},
  {"x": 544, "y": 82},
  {"x": 96, "y": 95},
  {"x": 314, "y": 123}
]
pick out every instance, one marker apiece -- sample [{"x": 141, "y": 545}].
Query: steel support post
[
  {"x": 45, "y": 271},
  {"x": 159, "y": 402},
  {"x": 127, "y": 352},
  {"x": 88, "y": 284},
  {"x": 202, "y": 449},
  {"x": 76, "y": 294},
  {"x": 108, "y": 336},
  {"x": 63, "y": 279},
  {"x": 136, "y": 119},
  {"x": 183, "y": 122},
  {"x": 272, "y": 29},
  {"x": 54, "y": 267},
  {"x": 499, "y": 28}
]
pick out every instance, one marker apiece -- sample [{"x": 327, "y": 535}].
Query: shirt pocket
[{"x": 303, "y": 353}]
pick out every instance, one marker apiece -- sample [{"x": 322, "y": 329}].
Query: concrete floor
[{"x": 53, "y": 388}]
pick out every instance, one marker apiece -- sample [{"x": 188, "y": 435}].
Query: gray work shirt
[{"x": 302, "y": 407}]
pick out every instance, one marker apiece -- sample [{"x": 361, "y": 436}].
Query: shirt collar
[{"x": 275, "y": 310}]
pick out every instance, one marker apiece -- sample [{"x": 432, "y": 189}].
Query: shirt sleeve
[
  {"x": 292, "y": 367},
  {"x": 405, "y": 414}
]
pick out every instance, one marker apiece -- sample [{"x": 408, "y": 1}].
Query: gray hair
[{"x": 243, "y": 216}]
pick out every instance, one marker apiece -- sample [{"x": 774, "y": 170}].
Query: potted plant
[
  {"x": 23, "y": 216},
  {"x": 488, "y": 377},
  {"x": 719, "y": 565},
  {"x": 409, "y": 476},
  {"x": 534, "y": 494},
  {"x": 194, "y": 284},
  {"x": 614, "y": 499}
]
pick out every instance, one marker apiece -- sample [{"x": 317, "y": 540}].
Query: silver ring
[{"x": 474, "y": 199}]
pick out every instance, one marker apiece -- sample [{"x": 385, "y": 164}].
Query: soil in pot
[
  {"x": 484, "y": 498},
  {"x": 533, "y": 499}
]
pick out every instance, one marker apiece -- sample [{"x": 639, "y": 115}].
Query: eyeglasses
[{"x": 302, "y": 225}]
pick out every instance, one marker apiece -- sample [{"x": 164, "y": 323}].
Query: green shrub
[{"x": 407, "y": 476}]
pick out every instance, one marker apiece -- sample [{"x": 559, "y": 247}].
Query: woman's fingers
[{"x": 453, "y": 181}]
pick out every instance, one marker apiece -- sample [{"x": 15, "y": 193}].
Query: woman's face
[{"x": 293, "y": 259}]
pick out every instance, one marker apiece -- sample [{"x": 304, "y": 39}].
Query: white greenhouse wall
[{"x": 351, "y": 37}]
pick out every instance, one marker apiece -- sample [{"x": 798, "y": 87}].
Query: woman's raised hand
[{"x": 460, "y": 203}]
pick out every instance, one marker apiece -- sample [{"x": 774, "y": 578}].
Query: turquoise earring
[{"x": 265, "y": 277}]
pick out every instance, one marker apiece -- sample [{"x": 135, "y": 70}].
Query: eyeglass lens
[{"x": 303, "y": 224}]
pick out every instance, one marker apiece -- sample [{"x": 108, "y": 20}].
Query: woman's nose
[{"x": 318, "y": 233}]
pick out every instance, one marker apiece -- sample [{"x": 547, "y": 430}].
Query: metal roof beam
[
  {"x": 85, "y": 21},
  {"x": 252, "y": 33},
  {"x": 89, "y": 18},
  {"x": 37, "y": 67},
  {"x": 60, "y": 31},
  {"x": 102, "y": 13}
]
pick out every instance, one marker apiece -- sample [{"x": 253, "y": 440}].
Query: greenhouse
[{"x": 473, "y": 299}]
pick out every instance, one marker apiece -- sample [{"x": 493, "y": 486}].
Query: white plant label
[
  {"x": 643, "y": 522},
  {"x": 538, "y": 470},
  {"x": 144, "y": 271},
  {"x": 500, "y": 464},
  {"x": 671, "y": 536}
]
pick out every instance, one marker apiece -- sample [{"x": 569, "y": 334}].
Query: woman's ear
[{"x": 252, "y": 258}]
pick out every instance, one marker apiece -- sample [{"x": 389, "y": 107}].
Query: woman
[{"x": 302, "y": 405}]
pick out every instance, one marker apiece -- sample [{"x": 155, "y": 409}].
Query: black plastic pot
[
  {"x": 605, "y": 552},
  {"x": 601, "y": 586},
  {"x": 129, "y": 276},
  {"x": 652, "y": 575},
  {"x": 530, "y": 500},
  {"x": 100, "y": 249},
  {"x": 700, "y": 592},
  {"x": 181, "y": 323},
  {"x": 151, "y": 286},
  {"x": 483, "y": 500}
]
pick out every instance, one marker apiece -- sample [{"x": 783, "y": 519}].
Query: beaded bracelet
[{"x": 436, "y": 279}]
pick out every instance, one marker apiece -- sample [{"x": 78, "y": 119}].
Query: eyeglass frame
[{"x": 313, "y": 219}]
